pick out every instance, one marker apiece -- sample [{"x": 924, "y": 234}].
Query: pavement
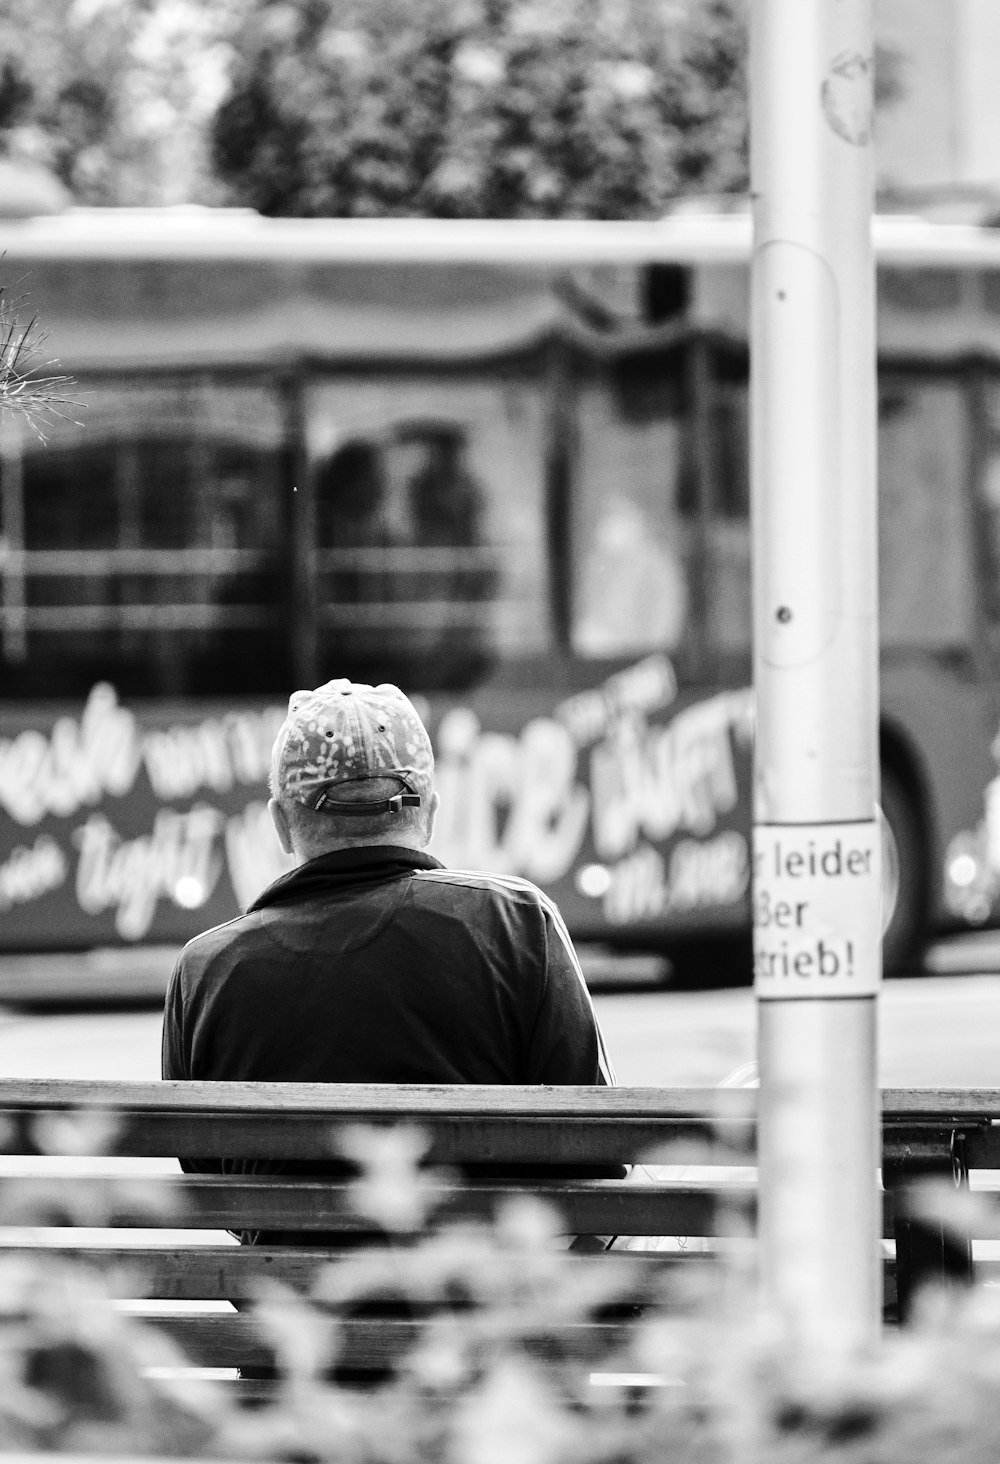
[
  {"x": 137, "y": 975},
  {"x": 134, "y": 975},
  {"x": 116, "y": 976}
]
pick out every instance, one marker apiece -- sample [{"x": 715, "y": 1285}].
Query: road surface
[{"x": 933, "y": 1031}]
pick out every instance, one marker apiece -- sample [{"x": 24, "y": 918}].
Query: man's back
[
  {"x": 376, "y": 964},
  {"x": 379, "y": 965},
  {"x": 370, "y": 962}
]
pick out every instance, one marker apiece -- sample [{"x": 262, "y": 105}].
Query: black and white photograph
[{"x": 500, "y": 731}]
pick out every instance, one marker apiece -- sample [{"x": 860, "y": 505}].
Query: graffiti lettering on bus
[
  {"x": 28, "y": 873},
  {"x": 972, "y": 859},
  {"x": 216, "y": 753},
  {"x": 650, "y": 782},
  {"x": 618, "y": 800},
  {"x": 699, "y": 874},
  {"x": 78, "y": 763},
  {"x": 510, "y": 803},
  {"x": 594, "y": 787},
  {"x": 134, "y": 851},
  {"x": 254, "y": 858},
  {"x": 177, "y": 860}
]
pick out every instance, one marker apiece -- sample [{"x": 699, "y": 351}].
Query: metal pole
[{"x": 816, "y": 838}]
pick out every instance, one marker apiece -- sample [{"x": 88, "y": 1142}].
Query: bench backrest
[{"x": 697, "y": 1144}]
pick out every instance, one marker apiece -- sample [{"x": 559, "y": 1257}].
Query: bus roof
[
  {"x": 684, "y": 237},
  {"x": 198, "y": 288}
]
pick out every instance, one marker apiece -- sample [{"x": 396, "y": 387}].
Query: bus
[{"x": 505, "y": 466}]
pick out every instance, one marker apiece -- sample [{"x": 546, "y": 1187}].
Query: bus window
[
  {"x": 430, "y": 527},
  {"x": 149, "y": 537},
  {"x": 925, "y": 597},
  {"x": 920, "y": 290},
  {"x": 990, "y": 493},
  {"x": 923, "y": 541},
  {"x": 632, "y": 536},
  {"x": 728, "y": 527}
]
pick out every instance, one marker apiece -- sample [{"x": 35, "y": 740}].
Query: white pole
[{"x": 816, "y": 839}]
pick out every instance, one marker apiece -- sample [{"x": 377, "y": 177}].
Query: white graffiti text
[
  {"x": 76, "y": 765},
  {"x": 656, "y": 780},
  {"x": 27, "y": 874},
  {"x": 216, "y": 753},
  {"x": 177, "y": 861}
]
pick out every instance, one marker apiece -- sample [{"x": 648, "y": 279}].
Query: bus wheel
[{"x": 903, "y": 877}]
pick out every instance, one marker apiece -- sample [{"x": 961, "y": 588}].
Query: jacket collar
[{"x": 343, "y": 868}]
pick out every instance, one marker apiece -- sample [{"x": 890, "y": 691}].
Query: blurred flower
[
  {"x": 390, "y": 1190},
  {"x": 630, "y": 80},
  {"x": 439, "y": 1364},
  {"x": 480, "y": 65},
  {"x": 539, "y": 18},
  {"x": 299, "y": 1334},
  {"x": 527, "y": 1224},
  {"x": 342, "y": 45},
  {"x": 83, "y": 1131},
  {"x": 513, "y": 1416}
]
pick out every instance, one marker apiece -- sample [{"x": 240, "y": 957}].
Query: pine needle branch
[{"x": 29, "y": 386}]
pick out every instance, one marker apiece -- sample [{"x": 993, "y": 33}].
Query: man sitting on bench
[{"x": 371, "y": 962}]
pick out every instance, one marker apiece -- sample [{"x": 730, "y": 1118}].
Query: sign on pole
[{"x": 817, "y": 881}]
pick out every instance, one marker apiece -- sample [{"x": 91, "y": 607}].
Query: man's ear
[
  {"x": 280, "y": 822},
  {"x": 432, "y": 809}
]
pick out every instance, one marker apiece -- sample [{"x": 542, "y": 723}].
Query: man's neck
[{"x": 402, "y": 840}]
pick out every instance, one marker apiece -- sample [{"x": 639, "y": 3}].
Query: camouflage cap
[{"x": 347, "y": 732}]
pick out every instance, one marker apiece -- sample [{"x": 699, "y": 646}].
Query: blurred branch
[{"x": 26, "y": 386}]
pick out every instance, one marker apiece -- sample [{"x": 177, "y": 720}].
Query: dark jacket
[{"x": 377, "y": 965}]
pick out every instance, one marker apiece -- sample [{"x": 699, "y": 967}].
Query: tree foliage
[
  {"x": 114, "y": 96},
  {"x": 456, "y": 108},
  {"x": 483, "y": 108}
]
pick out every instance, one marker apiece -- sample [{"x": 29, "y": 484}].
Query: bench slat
[
  {"x": 497, "y": 1139},
  {"x": 225, "y": 1273},
  {"x": 686, "y": 1207},
  {"x": 488, "y": 1125},
  {"x": 233, "y": 1340},
  {"x": 485, "y": 1125},
  {"x": 217, "y": 1202},
  {"x": 484, "y": 1139},
  {"x": 494, "y": 1125},
  {"x": 357, "y": 1102}
]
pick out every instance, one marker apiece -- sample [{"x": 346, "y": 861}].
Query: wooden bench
[{"x": 699, "y": 1140}]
